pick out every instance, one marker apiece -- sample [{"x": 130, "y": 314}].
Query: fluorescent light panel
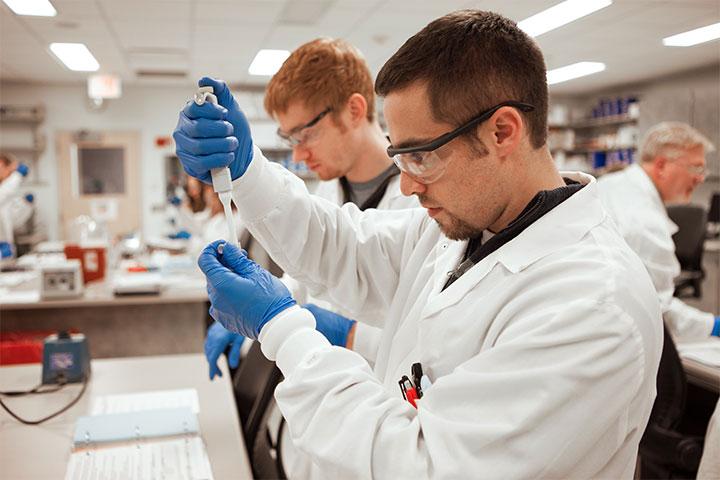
[
  {"x": 37, "y": 8},
  {"x": 559, "y": 15},
  {"x": 576, "y": 70},
  {"x": 267, "y": 62},
  {"x": 75, "y": 56},
  {"x": 693, "y": 37}
]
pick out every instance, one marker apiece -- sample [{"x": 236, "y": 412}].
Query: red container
[
  {"x": 92, "y": 260},
  {"x": 22, "y": 347}
]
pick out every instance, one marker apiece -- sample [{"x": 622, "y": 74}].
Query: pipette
[{"x": 221, "y": 179}]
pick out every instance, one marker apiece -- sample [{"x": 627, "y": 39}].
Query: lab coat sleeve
[
  {"x": 688, "y": 323},
  {"x": 9, "y": 186},
  {"x": 554, "y": 389},
  {"x": 367, "y": 341},
  {"x": 657, "y": 253},
  {"x": 348, "y": 257},
  {"x": 297, "y": 289},
  {"x": 187, "y": 220}
]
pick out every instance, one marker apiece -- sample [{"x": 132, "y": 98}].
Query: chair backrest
[
  {"x": 254, "y": 384},
  {"x": 669, "y": 407},
  {"x": 714, "y": 213},
  {"x": 690, "y": 237}
]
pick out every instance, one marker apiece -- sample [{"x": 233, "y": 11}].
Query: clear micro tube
[{"x": 221, "y": 179}]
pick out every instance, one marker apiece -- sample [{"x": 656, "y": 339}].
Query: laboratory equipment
[
  {"x": 92, "y": 260},
  {"x": 137, "y": 283},
  {"x": 221, "y": 179},
  {"x": 61, "y": 280},
  {"x": 66, "y": 358}
]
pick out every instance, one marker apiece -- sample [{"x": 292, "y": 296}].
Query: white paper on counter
[
  {"x": 182, "y": 459},
  {"x": 155, "y": 400}
]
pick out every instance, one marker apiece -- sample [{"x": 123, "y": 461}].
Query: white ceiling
[{"x": 220, "y": 38}]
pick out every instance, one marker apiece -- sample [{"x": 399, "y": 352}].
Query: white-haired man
[{"x": 672, "y": 165}]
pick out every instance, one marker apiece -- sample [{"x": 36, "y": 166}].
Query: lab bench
[
  {"x": 172, "y": 321},
  {"x": 31, "y": 452}
]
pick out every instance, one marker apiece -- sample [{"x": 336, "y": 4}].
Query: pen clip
[
  {"x": 402, "y": 387},
  {"x": 417, "y": 374}
]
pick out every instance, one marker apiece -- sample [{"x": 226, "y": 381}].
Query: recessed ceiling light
[
  {"x": 75, "y": 56},
  {"x": 37, "y": 8},
  {"x": 576, "y": 70},
  {"x": 693, "y": 37},
  {"x": 267, "y": 62},
  {"x": 559, "y": 15}
]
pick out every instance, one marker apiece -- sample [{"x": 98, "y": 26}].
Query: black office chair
[
  {"x": 714, "y": 216},
  {"x": 254, "y": 384},
  {"x": 266, "y": 459},
  {"x": 667, "y": 450},
  {"x": 689, "y": 246},
  {"x": 714, "y": 211}
]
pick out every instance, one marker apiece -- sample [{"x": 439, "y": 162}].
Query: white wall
[{"x": 150, "y": 110}]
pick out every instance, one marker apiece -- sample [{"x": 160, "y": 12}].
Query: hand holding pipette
[{"x": 221, "y": 179}]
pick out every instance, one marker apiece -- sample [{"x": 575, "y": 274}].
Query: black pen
[{"x": 417, "y": 374}]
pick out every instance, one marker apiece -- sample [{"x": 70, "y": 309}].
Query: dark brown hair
[{"x": 472, "y": 60}]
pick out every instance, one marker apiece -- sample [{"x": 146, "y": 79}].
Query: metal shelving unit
[{"x": 24, "y": 123}]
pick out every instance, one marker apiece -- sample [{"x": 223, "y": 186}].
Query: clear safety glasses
[
  {"x": 304, "y": 133},
  {"x": 423, "y": 163},
  {"x": 694, "y": 170}
]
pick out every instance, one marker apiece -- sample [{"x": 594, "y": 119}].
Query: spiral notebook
[{"x": 154, "y": 442}]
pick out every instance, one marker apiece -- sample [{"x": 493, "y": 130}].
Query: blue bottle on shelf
[{"x": 599, "y": 159}]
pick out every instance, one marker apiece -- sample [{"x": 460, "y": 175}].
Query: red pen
[
  {"x": 412, "y": 396},
  {"x": 408, "y": 391}
]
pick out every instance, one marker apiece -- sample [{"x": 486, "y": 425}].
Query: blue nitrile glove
[
  {"x": 211, "y": 136},
  {"x": 243, "y": 295},
  {"x": 217, "y": 340},
  {"x": 181, "y": 235},
  {"x": 716, "y": 328},
  {"x": 6, "y": 250},
  {"x": 336, "y": 328},
  {"x": 22, "y": 169}
]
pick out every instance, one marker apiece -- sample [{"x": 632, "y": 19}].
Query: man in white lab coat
[
  {"x": 323, "y": 100},
  {"x": 537, "y": 329},
  {"x": 672, "y": 156}
]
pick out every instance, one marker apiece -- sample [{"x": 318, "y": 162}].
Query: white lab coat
[
  {"x": 635, "y": 204},
  {"x": 211, "y": 229},
  {"x": 367, "y": 338},
  {"x": 9, "y": 189},
  {"x": 543, "y": 356},
  {"x": 186, "y": 219}
]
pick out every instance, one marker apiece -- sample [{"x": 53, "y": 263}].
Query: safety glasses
[
  {"x": 304, "y": 133},
  {"x": 423, "y": 163},
  {"x": 694, "y": 170}
]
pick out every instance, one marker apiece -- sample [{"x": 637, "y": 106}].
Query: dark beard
[{"x": 459, "y": 230}]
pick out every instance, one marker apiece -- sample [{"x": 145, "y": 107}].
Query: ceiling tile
[{"x": 222, "y": 36}]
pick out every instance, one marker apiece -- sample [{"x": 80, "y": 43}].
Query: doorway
[{"x": 98, "y": 176}]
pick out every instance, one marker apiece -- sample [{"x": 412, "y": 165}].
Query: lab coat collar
[
  {"x": 641, "y": 179},
  {"x": 562, "y": 226}
]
